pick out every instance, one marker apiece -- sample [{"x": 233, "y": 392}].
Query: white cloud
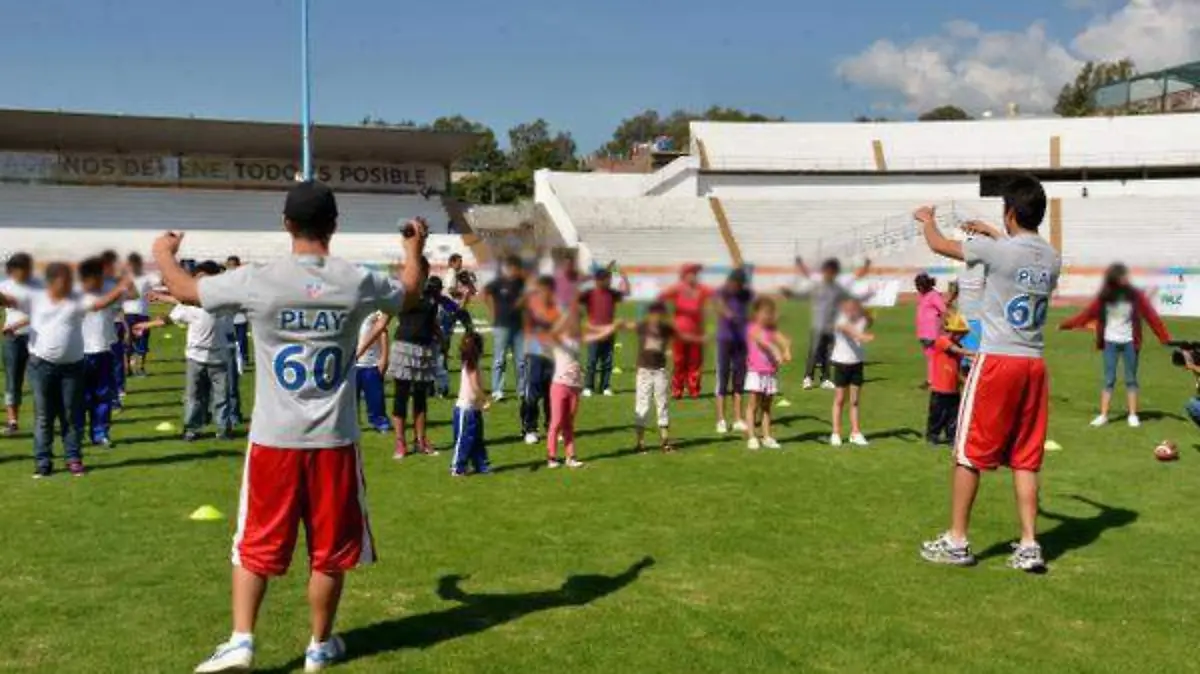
[{"x": 980, "y": 69}]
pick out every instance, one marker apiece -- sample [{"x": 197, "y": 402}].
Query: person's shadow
[
  {"x": 477, "y": 612},
  {"x": 1072, "y": 533}
]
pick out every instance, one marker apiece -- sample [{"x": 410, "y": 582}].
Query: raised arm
[
  {"x": 9, "y": 302},
  {"x": 411, "y": 276},
  {"x": 623, "y": 285},
  {"x": 938, "y": 243},
  {"x": 180, "y": 284},
  {"x": 115, "y": 295},
  {"x": 1089, "y": 314},
  {"x": 864, "y": 269}
]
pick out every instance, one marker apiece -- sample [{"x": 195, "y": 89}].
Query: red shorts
[
  {"x": 321, "y": 488},
  {"x": 1004, "y": 413}
]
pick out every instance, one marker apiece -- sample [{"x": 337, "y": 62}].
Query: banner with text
[{"x": 73, "y": 168}]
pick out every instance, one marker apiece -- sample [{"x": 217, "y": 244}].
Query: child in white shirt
[{"x": 850, "y": 337}]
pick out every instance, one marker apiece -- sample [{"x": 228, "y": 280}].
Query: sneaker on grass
[
  {"x": 231, "y": 656},
  {"x": 1027, "y": 558},
  {"x": 319, "y": 657},
  {"x": 943, "y": 550}
]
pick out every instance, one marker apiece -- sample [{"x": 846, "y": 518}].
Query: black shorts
[
  {"x": 847, "y": 375},
  {"x": 731, "y": 367}
]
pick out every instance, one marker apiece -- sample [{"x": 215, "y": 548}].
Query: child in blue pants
[
  {"x": 368, "y": 372},
  {"x": 99, "y": 367},
  {"x": 469, "y": 446}
]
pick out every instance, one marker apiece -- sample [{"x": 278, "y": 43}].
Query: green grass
[{"x": 795, "y": 561}]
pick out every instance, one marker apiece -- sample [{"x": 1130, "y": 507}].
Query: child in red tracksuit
[{"x": 690, "y": 299}]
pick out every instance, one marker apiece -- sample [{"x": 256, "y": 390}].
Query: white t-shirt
[
  {"x": 371, "y": 356},
  {"x": 140, "y": 306},
  {"x": 468, "y": 398},
  {"x": 20, "y": 292},
  {"x": 847, "y": 351},
  {"x": 1118, "y": 322},
  {"x": 207, "y": 334},
  {"x": 56, "y": 328},
  {"x": 99, "y": 327}
]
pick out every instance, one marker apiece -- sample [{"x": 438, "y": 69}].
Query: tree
[
  {"x": 371, "y": 120},
  {"x": 864, "y": 119},
  {"x": 945, "y": 113},
  {"x": 485, "y": 155},
  {"x": 532, "y": 147},
  {"x": 1075, "y": 99},
  {"x": 649, "y": 125}
]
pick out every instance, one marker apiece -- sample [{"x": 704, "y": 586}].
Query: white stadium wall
[{"x": 813, "y": 190}]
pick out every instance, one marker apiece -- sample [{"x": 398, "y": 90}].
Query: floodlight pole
[{"x": 305, "y": 94}]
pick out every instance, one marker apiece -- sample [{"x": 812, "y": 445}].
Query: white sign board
[{"x": 1176, "y": 295}]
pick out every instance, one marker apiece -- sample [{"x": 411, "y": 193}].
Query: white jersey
[
  {"x": 468, "y": 397},
  {"x": 373, "y": 355},
  {"x": 140, "y": 306},
  {"x": 847, "y": 351},
  {"x": 56, "y": 327},
  {"x": 20, "y": 292},
  {"x": 99, "y": 327},
  {"x": 1021, "y": 273},
  {"x": 207, "y": 334},
  {"x": 970, "y": 291},
  {"x": 306, "y": 312}
]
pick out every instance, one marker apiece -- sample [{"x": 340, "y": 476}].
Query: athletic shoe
[
  {"x": 190, "y": 436},
  {"x": 771, "y": 443},
  {"x": 230, "y": 656},
  {"x": 498, "y": 396},
  {"x": 1027, "y": 558},
  {"x": 383, "y": 430},
  {"x": 553, "y": 463},
  {"x": 587, "y": 393},
  {"x": 1100, "y": 421},
  {"x": 942, "y": 550},
  {"x": 531, "y": 438},
  {"x": 1135, "y": 421},
  {"x": 574, "y": 463},
  {"x": 11, "y": 429},
  {"x": 753, "y": 444},
  {"x": 722, "y": 427},
  {"x": 105, "y": 442},
  {"x": 828, "y": 385},
  {"x": 859, "y": 440},
  {"x": 608, "y": 393},
  {"x": 42, "y": 472},
  {"x": 740, "y": 426},
  {"x": 427, "y": 447},
  {"x": 401, "y": 450},
  {"x": 808, "y": 383},
  {"x": 835, "y": 440},
  {"x": 458, "y": 473},
  {"x": 76, "y": 468}
]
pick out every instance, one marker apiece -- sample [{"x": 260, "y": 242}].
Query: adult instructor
[{"x": 303, "y": 463}]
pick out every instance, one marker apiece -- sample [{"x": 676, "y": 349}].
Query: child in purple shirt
[{"x": 733, "y": 308}]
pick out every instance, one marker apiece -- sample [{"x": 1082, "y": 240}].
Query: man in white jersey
[
  {"x": 1006, "y": 403},
  {"x": 303, "y": 464}
]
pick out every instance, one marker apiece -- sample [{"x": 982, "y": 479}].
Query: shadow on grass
[
  {"x": 475, "y": 613},
  {"x": 167, "y": 460},
  {"x": 1155, "y": 415},
  {"x": 1072, "y": 533},
  {"x": 906, "y": 434}
]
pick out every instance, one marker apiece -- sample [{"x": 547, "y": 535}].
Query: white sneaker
[
  {"x": 859, "y": 440},
  {"x": 722, "y": 427},
  {"x": 1100, "y": 421},
  {"x": 754, "y": 444},
  {"x": 498, "y": 396},
  {"x": 608, "y": 393},
  {"x": 531, "y": 438},
  {"x": 740, "y": 426},
  {"x": 574, "y": 463},
  {"x": 828, "y": 385},
  {"x": 1134, "y": 421},
  {"x": 835, "y": 440},
  {"x": 808, "y": 383},
  {"x": 553, "y": 463},
  {"x": 587, "y": 393},
  {"x": 231, "y": 656},
  {"x": 771, "y": 443},
  {"x": 323, "y": 656}
]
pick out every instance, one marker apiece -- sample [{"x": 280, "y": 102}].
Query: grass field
[{"x": 712, "y": 560}]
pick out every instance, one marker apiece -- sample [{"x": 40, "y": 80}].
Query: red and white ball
[{"x": 1166, "y": 451}]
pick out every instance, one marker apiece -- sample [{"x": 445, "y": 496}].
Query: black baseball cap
[{"x": 310, "y": 202}]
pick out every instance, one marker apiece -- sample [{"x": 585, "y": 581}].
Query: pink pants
[
  {"x": 929, "y": 354},
  {"x": 564, "y": 403}
]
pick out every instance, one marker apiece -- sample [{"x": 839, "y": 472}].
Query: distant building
[{"x": 1174, "y": 89}]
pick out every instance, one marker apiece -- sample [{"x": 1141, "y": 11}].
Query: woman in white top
[
  {"x": 18, "y": 269},
  {"x": 1117, "y": 314}
]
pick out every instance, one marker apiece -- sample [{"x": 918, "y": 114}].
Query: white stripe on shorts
[
  {"x": 965, "y": 410},
  {"x": 367, "y": 556},
  {"x": 243, "y": 508}
]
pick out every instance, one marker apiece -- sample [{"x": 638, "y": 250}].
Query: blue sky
[{"x": 583, "y": 68}]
